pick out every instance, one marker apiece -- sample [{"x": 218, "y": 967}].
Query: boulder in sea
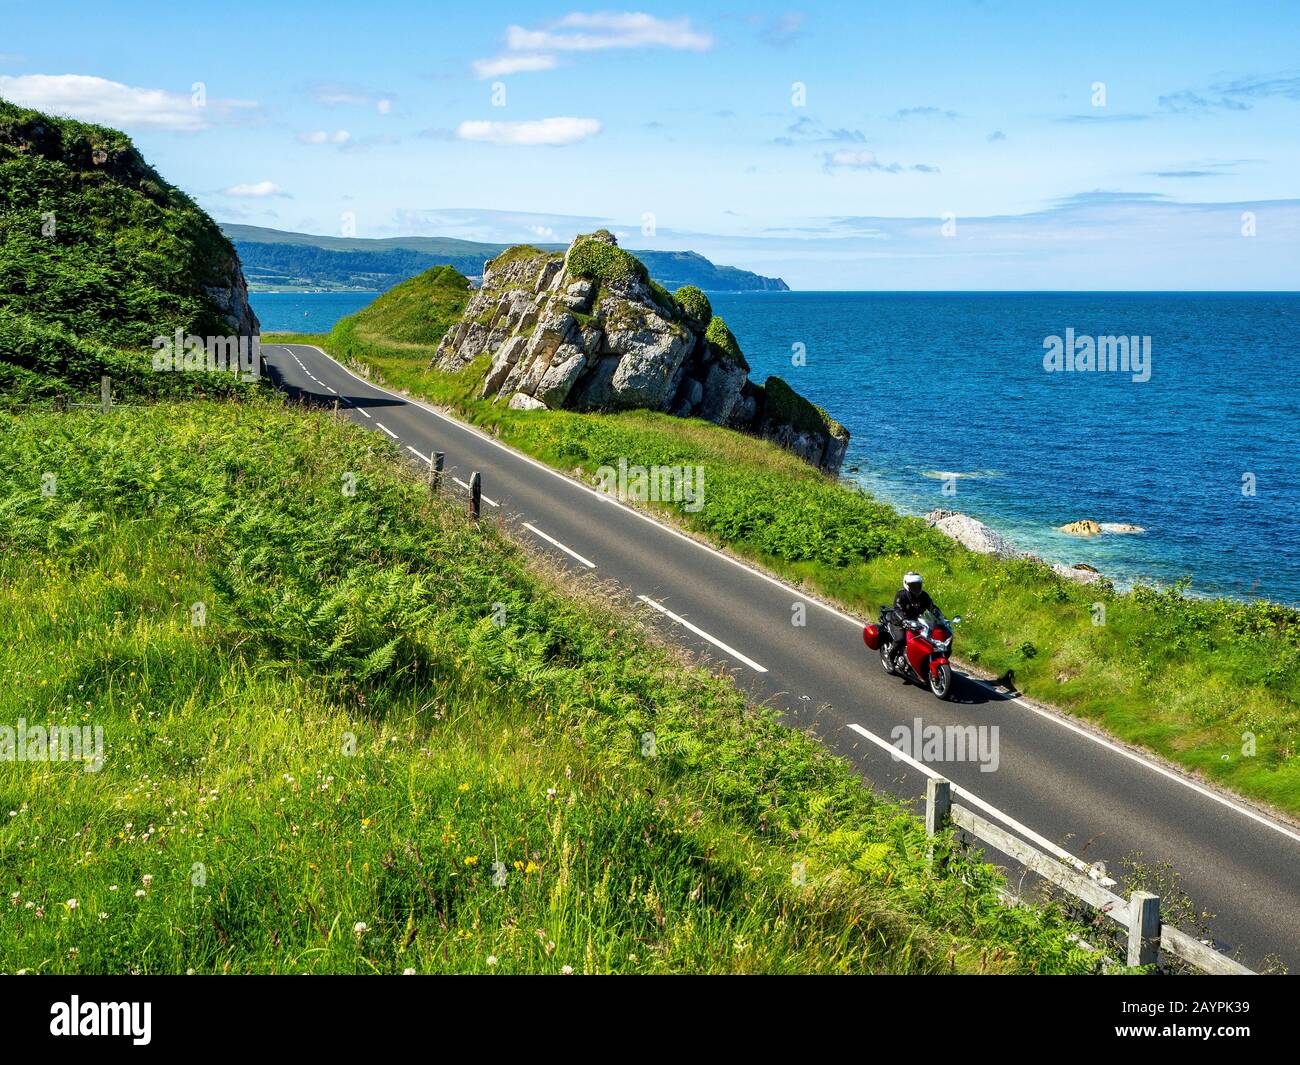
[{"x": 1081, "y": 528}]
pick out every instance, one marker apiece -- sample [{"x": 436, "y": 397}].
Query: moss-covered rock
[
  {"x": 695, "y": 305},
  {"x": 785, "y": 405},
  {"x": 724, "y": 343}
]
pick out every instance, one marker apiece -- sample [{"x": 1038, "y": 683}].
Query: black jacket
[{"x": 911, "y": 606}]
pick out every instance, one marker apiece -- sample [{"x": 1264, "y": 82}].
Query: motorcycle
[{"x": 923, "y": 659}]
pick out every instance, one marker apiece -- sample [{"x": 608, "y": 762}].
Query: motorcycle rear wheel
[
  {"x": 887, "y": 660},
  {"x": 941, "y": 681}
]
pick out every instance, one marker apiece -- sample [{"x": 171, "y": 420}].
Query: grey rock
[
  {"x": 722, "y": 391},
  {"x": 520, "y": 401},
  {"x": 566, "y": 366},
  {"x": 972, "y": 533}
]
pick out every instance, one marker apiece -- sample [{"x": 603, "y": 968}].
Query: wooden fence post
[
  {"x": 938, "y": 805},
  {"x": 475, "y": 493},
  {"x": 938, "y": 809},
  {"x": 435, "y": 471},
  {"x": 105, "y": 393},
  {"x": 1143, "y": 928}
]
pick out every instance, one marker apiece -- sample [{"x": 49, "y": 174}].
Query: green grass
[
  {"x": 319, "y": 778},
  {"x": 1196, "y": 681}
]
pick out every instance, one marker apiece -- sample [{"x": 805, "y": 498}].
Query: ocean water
[
  {"x": 939, "y": 384},
  {"x": 305, "y": 312}
]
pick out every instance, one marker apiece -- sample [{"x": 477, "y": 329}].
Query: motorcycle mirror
[{"x": 956, "y": 619}]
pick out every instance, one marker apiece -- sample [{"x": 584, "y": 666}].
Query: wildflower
[
  {"x": 492, "y": 960},
  {"x": 408, "y": 972},
  {"x": 550, "y": 794},
  {"x": 360, "y": 928},
  {"x": 463, "y": 787},
  {"x": 532, "y": 867},
  {"x": 471, "y": 859},
  {"x": 72, "y": 953},
  {"x": 71, "y": 904},
  {"x": 103, "y": 916},
  {"x": 567, "y": 970},
  {"x": 139, "y": 893},
  {"x": 112, "y": 887},
  {"x": 147, "y": 879},
  {"x": 40, "y": 911}
]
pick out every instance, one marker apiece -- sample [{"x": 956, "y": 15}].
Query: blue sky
[{"x": 1095, "y": 146}]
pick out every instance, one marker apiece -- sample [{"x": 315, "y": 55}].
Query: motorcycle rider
[{"x": 910, "y": 603}]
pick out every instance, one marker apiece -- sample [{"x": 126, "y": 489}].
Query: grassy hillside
[
  {"x": 381, "y": 701},
  {"x": 1208, "y": 684},
  {"x": 99, "y": 255}
]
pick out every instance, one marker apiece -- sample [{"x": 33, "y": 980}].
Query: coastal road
[{"x": 1057, "y": 783}]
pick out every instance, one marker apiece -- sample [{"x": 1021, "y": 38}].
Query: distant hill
[{"x": 274, "y": 259}]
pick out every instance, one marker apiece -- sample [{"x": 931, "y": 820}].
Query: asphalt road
[{"x": 1061, "y": 784}]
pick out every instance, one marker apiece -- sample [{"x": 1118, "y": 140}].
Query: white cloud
[
  {"x": 256, "y": 190},
  {"x": 541, "y": 131},
  {"x": 545, "y": 232},
  {"x": 861, "y": 159},
  {"x": 595, "y": 32},
  {"x": 321, "y": 136},
  {"x": 512, "y": 64},
  {"x": 603, "y": 30},
  {"x": 335, "y": 94},
  {"x": 107, "y": 102}
]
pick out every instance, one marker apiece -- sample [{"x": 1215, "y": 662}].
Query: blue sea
[{"x": 947, "y": 392}]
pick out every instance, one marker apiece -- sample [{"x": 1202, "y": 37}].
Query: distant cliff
[
  {"x": 588, "y": 329},
  {"x": 278, "y": 260}
]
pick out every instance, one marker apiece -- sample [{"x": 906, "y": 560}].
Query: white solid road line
[
  {"x": 387, "y": 430},
  {"x": 725, "y": 648},
  {"x": 730, "y": 559},
  {"x": 556, "y": 543},
  {"x": 975, "y": 800},
  {"x": 489, "y": 502}
]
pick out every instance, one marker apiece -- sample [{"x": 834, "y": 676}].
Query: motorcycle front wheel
[{"x": 941, "y": 681}]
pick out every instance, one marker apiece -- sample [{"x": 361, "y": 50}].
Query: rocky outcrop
[
  {"x": 230, "y": 297},
  {"x": 589, "y": 330}
]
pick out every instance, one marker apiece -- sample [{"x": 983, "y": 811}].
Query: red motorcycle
[{"x": 924, "y": 659}]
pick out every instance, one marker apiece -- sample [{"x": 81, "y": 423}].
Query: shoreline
[{"x": 986, "y": 539}]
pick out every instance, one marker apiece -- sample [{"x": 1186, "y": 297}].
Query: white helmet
[{"x": 912, "y": 581}]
